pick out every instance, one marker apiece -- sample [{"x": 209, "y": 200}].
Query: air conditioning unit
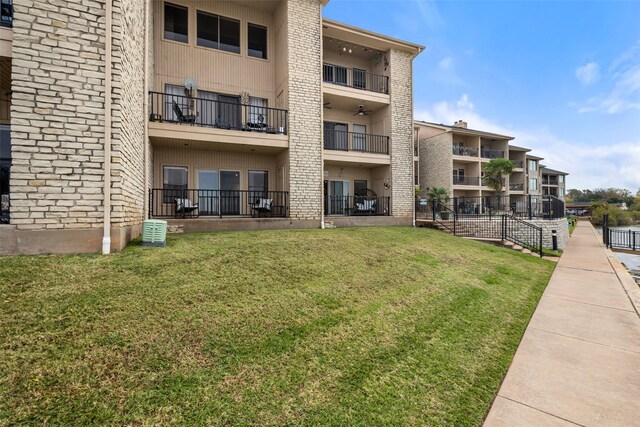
[{"x": 154, "y": 233}]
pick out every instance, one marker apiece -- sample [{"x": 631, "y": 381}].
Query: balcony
[
  {"x": 461, "y": 150},
  {"x": 355, "y": 78},
  {"x": 353, "y": 141},
  {"x": 209, "y": 113},
  {"x": 518, "y": 164},
  {"x": 466, "y": 180},
  {"x": 6, "y": 13},
  {"x": 195, "y": 203},
  {"x": 356, "y": 205},
  {"x": 549, "y": 181},
  {"x": 516, "y": 187},
  {"x": 491, "y": 154}
]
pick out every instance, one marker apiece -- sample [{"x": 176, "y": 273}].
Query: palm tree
[
  {"x": 438, "y": 196},
  {"x": 495, "y": 173}
]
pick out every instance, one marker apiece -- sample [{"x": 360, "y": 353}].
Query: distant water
[{"x": 632, "y": 262}]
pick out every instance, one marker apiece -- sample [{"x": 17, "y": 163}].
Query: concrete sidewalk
[{"x": 579, "y": 360}]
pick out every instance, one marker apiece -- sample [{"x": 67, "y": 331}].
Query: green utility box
[{"x": 154, "y": 233}]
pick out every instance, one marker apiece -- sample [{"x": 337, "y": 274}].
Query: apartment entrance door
[
  {"x": 230, "y": 192},
  {"x": 359, "y": 137},
  {"x": 208, "y": 192}
]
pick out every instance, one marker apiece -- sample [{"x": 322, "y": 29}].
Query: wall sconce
[
  {"x": 387, "y": 183},
  {"x": 340, "y": 173}
]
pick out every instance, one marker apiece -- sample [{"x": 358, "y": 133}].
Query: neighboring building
[
  {"x": 554, "y": 183},
  {"x": 260, "y": 114}
]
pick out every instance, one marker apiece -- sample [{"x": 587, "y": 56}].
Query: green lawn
[{"x": 367, "y": 326}]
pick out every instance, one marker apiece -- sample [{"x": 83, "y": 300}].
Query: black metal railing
[
  {"x": 518, "y": 164},
  {"x": 619, "y": 239},
  {"x": 516, "y": 187},
  {"x": 461, "y": 150},
  {"x": 5, "y": 208},
  {"x": 202, "y": 112},
  {"x": 355, "y": 78},
  {"x": 466, "y": 180},
  {"x": 491, "y": 154},
  {"x": 519, "y": 206},
  {"x": 6, "y": 13},
  {"x": 193, "y": 203},
  {"x": 356, "y": 205},
  {"x": 354, "y": 141},
  {"x": 549, "y": 181},
  {"x": 497, "y": 227}
]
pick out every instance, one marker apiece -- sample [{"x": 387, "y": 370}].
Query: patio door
[
  {"x": 336, "y": 136},
  {"x": 230, "y": 192},
  {"x": 208, "y": 186},
  {"x": 359, "y": 137},
  {"x": 229, "y": 112},
  {"x": 338, "y": 197}
]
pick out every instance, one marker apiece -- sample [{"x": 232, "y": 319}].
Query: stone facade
[
  {"x": 57, "y": 110},
  {"x": 436, "y": 160},
  {"x": 401, "y": 150},
  {"x": 304, "y": 34}
]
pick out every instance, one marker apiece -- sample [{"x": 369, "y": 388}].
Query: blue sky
[{"x": 563, "y": 77}]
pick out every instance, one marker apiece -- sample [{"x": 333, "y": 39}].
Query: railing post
[
  {"x": 150, "y": 203},
  {"x": 529, "y": 208},
  {"x": 503, "y": 228},
  {"x": 219, "y": 203},
  {"x": 455, "y": 205},
  {"x": 540, "y": 242},
  {"x": 433, "y": 210},
  {"x": 634, "y": 241}
]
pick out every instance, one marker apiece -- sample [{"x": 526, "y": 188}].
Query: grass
[
  {"x": 367, "y": 326},
  {"x": 573, "y": 222}
]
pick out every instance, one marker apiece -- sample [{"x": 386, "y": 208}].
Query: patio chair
[
  {"x": 261, "y": 207},
  {"x": 180, "y": 115},
  {"x": 365, "y": 207},
  {"x": 186, "y": 206}
]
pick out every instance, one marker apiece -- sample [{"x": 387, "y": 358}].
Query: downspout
[
  {"x": 145, "y": 108},
  {"x": 323, "y": 197},
  {"x": 106, "y": 237}
]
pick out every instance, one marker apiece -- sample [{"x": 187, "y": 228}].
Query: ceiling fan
[
  {"x": 361, "y": 111},
  {"x": 327, "y": 105}
]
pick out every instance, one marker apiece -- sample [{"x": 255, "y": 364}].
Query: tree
[
  {"x": 495, "y": 173},
  {"x": 439, "y": 195}
]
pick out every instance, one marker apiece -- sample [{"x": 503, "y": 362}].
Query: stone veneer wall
[
  {"x": 58, "y": 71},
  {"x": 305, "y": 109},
  {"x": 401, "y": 114},
  {"x": 436, "y": 162}
]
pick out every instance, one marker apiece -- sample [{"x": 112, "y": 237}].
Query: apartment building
[
  {"x": 553, "y": 182},
  {"x": 210, "y": 114}
]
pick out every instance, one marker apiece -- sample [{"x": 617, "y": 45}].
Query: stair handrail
[{"x": 507, "y": 233}]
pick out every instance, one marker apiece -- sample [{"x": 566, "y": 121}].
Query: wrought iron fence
[
  {"x": 355, "y": 78},
  {"x": 357, "y": 205},
  {"x": 193, "y": 203},
  {"x": 461, "y": 150},
  {"x": 619, "y": 239},
  {"x": 202, "y": 112},
  {"x": 354, "y": 141},
  {"x": 491, "y": 154}
]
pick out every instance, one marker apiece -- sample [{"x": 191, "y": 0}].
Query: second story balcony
[
  {"x": 516, "y": 187},
  {"x": 227, "y": 114},
  {"x": 491, "y": 154},
  {"x": 466, "y": 180},
  {"x": 354, "y": 141},
  {"x": 518, "y": 164},
  {"x": 355, "y": 78},
  {"x": 461, "y": 150}
]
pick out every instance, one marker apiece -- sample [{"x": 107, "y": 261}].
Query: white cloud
[
  {"x": 588, "y": 73},
  {"x": 624, "y": 95},
  {"x": 589, "y": 166},
  {"x": 445, "y": 64},
  {"x": 429, "y": 12}
]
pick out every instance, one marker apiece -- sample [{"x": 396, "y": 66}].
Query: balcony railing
[
  {"x": 194, "y": 203},
  {"x": 356, "y": 205},
  {"x": 518, "y": 163},
  {"x": 520, "y": 206},
  {"x": 5, "y": 208},
  {"x": 466, "y": 180},
  {"x": 354, "y": 141},
  {"x": 6, "y": 13},
  {"x": 461, "y": 150},
  {"x": 491, "y": 154},
  {"x": 202, "y": 112},
  {"x": 549, "y": 181},
  {"x": 516, "y": 187},
  {"x": 355, "y": 78}
]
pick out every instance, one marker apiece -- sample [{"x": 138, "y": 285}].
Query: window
[
  {"x": 175, "y": 97},
  {"x": 175, "y": 183},
  {"x": 359, "y": 185},
  {"x": 258, "y": 113},
  {"x": 533, "y": 184},
  {"x": 561, "y": 192},
  {"x": 561, "y": 179},
  {"x": 257, "y": 39},
  {"x": 217, "y": 32},
  {"x": 533, "y": 165},
  {"x": 176, "y": 23},
  {"x": 258, "y": 183}
]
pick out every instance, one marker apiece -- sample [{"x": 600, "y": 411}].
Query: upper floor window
[
  {"x": 533, "y": 165},
  {"x": 533, "y": 184},
  {"x": 176, "y": 23},
  {"x": 218, "y": 32},
  {"x": 561, "y": 179},
  {"x": 257, "y": 37}
]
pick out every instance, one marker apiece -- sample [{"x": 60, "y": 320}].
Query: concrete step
[
  {"x": 525, "y": 251},
  {"x": 517, "y": 247}
]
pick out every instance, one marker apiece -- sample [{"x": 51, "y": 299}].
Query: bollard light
[{"x": 554, "y": 239}]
